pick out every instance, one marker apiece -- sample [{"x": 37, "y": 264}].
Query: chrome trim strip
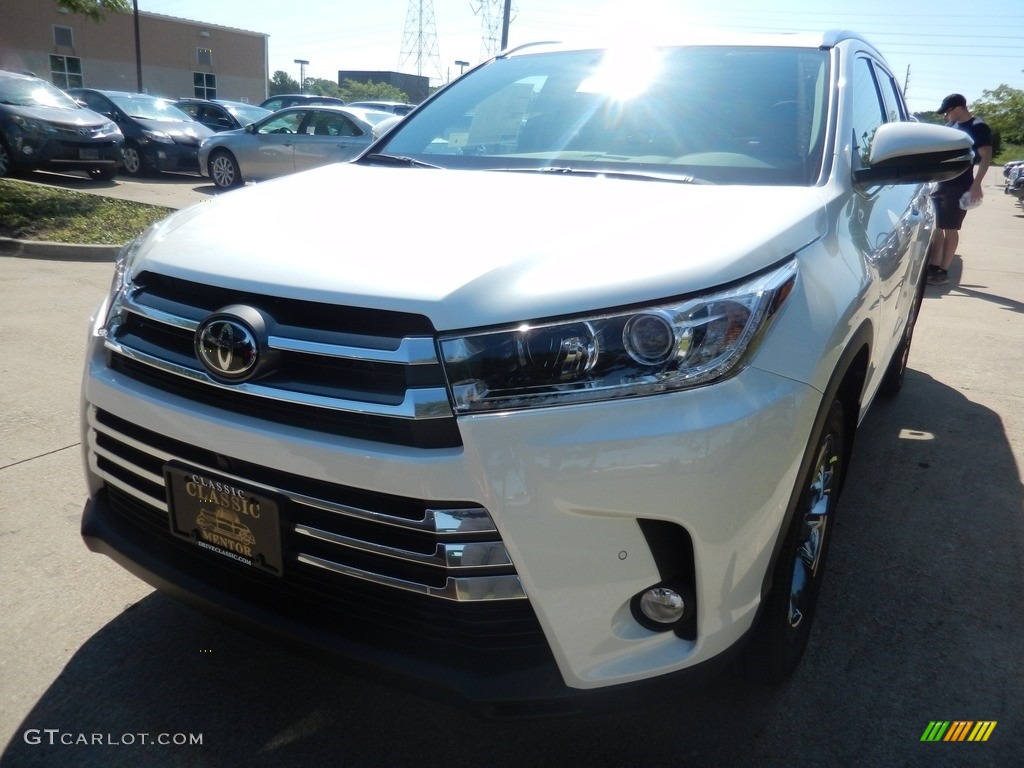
[
  {"x": 480, "y": 554},
  {"x": 412, "y": 351},
  {"x": 131, "y": 490},
  {"x": 135, "y": 469},
  {"x": 129, "y": 304},
  {"x": 472, "y": 589},
  {"x": 418, "y": 403}
]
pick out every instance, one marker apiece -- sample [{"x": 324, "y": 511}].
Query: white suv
[{"x": 588, "y": 428}]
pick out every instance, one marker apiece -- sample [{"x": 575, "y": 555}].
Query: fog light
[{"x": 662, "y": 605}]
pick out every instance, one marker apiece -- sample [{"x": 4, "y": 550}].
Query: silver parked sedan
[{"x": 289, "y": 140}]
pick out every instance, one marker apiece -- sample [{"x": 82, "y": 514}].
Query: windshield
[
  {"x": 33, "y": 93},
  {"x": 150, "y": 108},
  {"x": 728, "y": 115},
  {"x": 246, "y": 114}
]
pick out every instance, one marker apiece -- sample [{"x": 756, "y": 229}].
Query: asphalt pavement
[{"x": 920, "y": 618}]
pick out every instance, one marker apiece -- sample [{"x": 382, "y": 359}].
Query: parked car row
[
  {"x": 1013, "y": 172},
  {"x": 106, "y": 132}
]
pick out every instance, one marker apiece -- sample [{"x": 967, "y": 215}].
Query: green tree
[
  {"x": 281, "y": 83},
  {"x": 351, "y": 90},
  {"x": 322, "y": 87},
  {"x": 96, "y": 9},
  {"x": 1003, "y": 110}
]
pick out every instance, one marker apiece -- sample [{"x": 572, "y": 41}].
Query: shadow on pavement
[{"x": 917, "y": 623}]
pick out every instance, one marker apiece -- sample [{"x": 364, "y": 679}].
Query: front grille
[
  {"x": 350, "y": 371},
  {"x": 438, "y": 570}
]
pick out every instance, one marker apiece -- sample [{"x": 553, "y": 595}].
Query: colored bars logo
[{"x": 958, "y": 730}]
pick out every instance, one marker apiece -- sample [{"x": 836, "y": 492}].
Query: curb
[{"x": 40, "y": 249}]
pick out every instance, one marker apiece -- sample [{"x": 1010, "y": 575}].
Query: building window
[
  {"x": 66, "y": 71},
  {"x": 205, "y": 85},
  {"x": 62, "y": 36},
  {"x": 205, "y": 57}
]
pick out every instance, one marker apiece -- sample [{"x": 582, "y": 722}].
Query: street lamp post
[
  {"x": 302, "y": 72},
  {"x": 462, "y": 66}
]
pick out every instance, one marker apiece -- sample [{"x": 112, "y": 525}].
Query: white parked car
[{"x": 590, "y": 431}]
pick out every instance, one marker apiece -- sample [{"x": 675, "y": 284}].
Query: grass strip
[{"x": 35, "y": 212}]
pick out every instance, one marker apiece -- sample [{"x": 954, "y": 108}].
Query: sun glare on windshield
[{"x": 624, "y": 73}]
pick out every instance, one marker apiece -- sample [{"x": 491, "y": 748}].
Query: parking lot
[{"x": 919, "y": 622}]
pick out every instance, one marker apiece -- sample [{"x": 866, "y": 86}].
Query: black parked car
[
  {"x": 41, "y": 127},
  {"x": 220, "y": 114},
  {"x": 158, "y": 136}
]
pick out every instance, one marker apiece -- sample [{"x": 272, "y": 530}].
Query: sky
[{"x": 934, "y": 48}]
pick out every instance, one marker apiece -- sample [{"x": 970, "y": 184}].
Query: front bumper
[
  {"x": 181, "y": 158},
  {"x": 566, "y": 488},
  {"x": 60, "y": 154}
]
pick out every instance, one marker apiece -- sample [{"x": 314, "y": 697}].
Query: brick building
[{"x": 179, "y": 57}]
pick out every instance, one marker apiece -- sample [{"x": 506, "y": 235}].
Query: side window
[
  {"x": 287, "y": 123},
  {"x": 95, "y": 103},
  {"x": 895, "y": 110},
  {"x": 867, "y": 108}
]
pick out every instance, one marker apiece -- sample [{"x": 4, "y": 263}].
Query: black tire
[
  {"x": 780, "y": 635},
  {"x": 6, "y": 164},
  {"x": 132, "y": 160},
  {"x": 892, "y": 381},
  {"x": 224, "y": 169}
]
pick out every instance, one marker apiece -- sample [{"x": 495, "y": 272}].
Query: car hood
[
  {"x": 175, "y": 129},
  {"x": 473, "y": 248},
  {"x": 72, "y": 118}
]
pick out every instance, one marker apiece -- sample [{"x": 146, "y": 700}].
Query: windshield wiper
[
  {"x": 610, "y": 174},
  {"x": 409, "y": 162}
]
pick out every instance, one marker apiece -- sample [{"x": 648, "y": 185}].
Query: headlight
[
  {"x": 121, "y": 283},
  {"x": 159, "y": 136},
  {"x": 107, "y": 129},
  {"x": 686, "y": 343},
  {"x": 29, "y": 125}
]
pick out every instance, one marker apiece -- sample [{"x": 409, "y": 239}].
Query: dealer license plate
[
  {"x": 88, "y": 154},
  {"x": 224, "y": 517}
]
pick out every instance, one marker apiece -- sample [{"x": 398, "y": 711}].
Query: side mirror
[
  {"x": 914, "y": 153},
  {"x": 250, "y": 128}
]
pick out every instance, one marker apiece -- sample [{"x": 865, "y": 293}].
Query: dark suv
[
  {"x": 158, "y": 136},
  {"x": 41, "y": 127}
]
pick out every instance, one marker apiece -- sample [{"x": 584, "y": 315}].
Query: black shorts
[{"x": 948, "y": 213}]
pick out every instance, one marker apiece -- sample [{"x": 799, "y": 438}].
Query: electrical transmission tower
[
  {"x": 492, "y": 15},
  {"x": 419, "y": 42}
]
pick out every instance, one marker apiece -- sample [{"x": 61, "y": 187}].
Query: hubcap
[
  {"x": 223, "y": 171},
  {"x": 131, "y": 160},
  {"x": 815, "y": 513}
]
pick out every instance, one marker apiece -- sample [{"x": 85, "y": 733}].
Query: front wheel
[
  {"x": 224, "y": 170},
  {"x": 780, "y": 636},
  {"x": 6, "y": 166},
  {"x": 132, "y": 160}
]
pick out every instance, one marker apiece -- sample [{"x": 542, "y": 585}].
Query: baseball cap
[{"x": 951, "y": 101}]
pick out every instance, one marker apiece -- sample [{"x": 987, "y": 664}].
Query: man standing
[{"x": 949, "y": 211}]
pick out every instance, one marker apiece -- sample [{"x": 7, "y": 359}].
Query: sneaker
[{"x": 937, "y": 277}]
